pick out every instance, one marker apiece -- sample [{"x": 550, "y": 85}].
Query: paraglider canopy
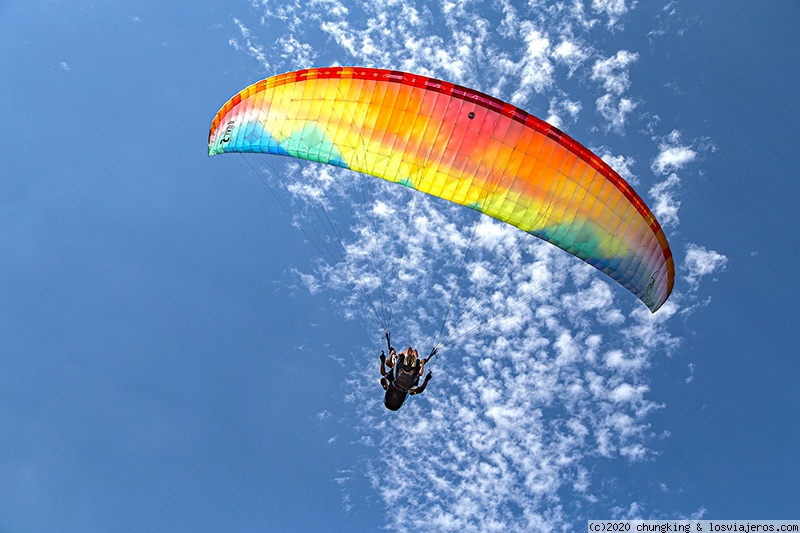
[{"x": 461, "y": 145}]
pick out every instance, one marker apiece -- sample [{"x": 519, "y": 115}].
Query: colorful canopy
[{"x": 461, "y": 145}]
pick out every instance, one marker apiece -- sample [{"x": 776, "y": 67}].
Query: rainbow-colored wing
[{"x": 463, "y": 146}]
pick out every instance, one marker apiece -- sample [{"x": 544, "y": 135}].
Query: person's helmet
[{"x": 411, "y": 357}]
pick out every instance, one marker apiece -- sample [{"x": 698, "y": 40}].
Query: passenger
[{"x": 402, "y": 379}]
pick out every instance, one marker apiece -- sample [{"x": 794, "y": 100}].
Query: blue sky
[{"x": 175, "y": 356}]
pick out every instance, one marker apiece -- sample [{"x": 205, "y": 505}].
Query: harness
[{"x": 404, "y": 380}]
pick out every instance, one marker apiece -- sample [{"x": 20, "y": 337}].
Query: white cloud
[
  {"x": 625, "y": 362},
  {"x": 290, "y": 47},
  {"x": 612, "y": 72},
  {"x": 547, "y": 361},
  {"x": 615, "y": 111},
  {"x": 700, "y": 262},
  {"x": 626, "y": 392},
  {"x": 536, "y": 69},
  {"x": 673, "y": 154},
  {"x": 481, "y": 418},
  {"x": 665, "y": 206},
  {"x": 673, "y": 158},
  {"x": 310, "y": 282},
  {"x": 560, "y": 107},
  {"x": 481, "y": 421},
  {"x": 244, "y": 43},
  {"x": 570, "y": 53},
  {"x": 613, "y": 9}
]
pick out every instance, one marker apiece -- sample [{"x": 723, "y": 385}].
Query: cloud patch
[
  {"x": 673, "y": 154},
  {"x": 701, "y": 262},
  {"x": 544, "y": 366}
]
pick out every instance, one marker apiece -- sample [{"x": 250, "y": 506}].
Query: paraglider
[
  {"x": 460, "y": 145},
  {"x": 463, "y": 146},
  {"x": 402, "y": 379}
]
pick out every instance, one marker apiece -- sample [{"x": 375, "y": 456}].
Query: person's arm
[
  {"x": 392, "y": 353},
  {"x": 421, "y": 388},
  {"x": 383, "y": 364}
]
